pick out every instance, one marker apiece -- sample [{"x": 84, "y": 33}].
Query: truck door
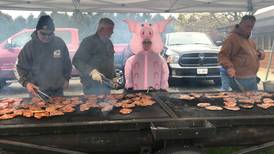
[{"x": 10, "y": 51}]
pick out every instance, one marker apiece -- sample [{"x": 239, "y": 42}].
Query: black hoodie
[{"x": 46, "y": 65}]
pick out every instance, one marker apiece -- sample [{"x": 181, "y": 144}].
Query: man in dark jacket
[
  {"x": 44, "y": 61},
  {"x": 95, "y": 59}
]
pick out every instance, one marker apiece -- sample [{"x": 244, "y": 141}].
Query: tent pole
[
  {"x": 269, "y": 61},
  {"x": 76, "y": 4},
  {"x": 250, "y": 8}
]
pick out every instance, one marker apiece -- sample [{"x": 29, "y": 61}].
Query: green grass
[
  {"x": 222, "y": 150},
  {"x": 229, "y": 150}
]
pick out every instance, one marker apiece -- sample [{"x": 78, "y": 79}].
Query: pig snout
[{"x": 146, "y": 33}]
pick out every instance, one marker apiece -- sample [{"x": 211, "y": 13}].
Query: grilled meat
[
  {"x": 214, "y": 108},
  {"x": 232, "y": 108},
  {"x": 125, "y": 111},
  {"x": 203, "y": 104}
]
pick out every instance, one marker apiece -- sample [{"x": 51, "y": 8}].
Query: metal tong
[
  {"x": 43, "y": 96},
  {"x": 150, "y": 89},
  {"x": 108, "y": 82},
  {"x": 240, "y": 86}
]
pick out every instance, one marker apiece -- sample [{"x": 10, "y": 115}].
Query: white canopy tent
[
  {"x": 139, "y": 6},
  {"x": 149, "y": 6}
]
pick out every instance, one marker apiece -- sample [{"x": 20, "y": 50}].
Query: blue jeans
[
  {"x": 225, "y": 81},
  {"x": 249, "y": 84}
]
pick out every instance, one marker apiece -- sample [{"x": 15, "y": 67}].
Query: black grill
[{"x": 199, "y": 59}]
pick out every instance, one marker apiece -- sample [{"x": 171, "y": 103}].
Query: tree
[
  {"x": 31, "y": 21},
  {"x": 60, "y": 19},
  {"x": 19, "y": 23},
  {"x": 6, "y": 27},
  {"x": 206, "y": 22}
]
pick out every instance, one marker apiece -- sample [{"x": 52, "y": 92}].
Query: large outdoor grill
[{"x": 146, "y": 130}]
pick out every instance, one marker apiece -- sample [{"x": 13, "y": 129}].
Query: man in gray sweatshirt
[{"x": 95, "y": 59}]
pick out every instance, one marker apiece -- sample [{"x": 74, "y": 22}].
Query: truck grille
[{"x": 199, "y": 59}]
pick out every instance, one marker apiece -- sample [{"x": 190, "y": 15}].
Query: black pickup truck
[{"x": 192, "y": 55}]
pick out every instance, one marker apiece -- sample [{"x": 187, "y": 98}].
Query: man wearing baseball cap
[{"x": 44, "y": 61}]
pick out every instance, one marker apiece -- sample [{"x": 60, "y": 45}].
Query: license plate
[{"x": 202, "y": 70}]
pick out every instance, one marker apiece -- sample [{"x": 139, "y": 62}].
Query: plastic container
[{"x": 268, "y": 86}]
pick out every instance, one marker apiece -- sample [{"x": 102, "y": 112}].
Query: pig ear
[
  {"x": 162, "y": 24},
  {"x": 132, "y": 25}
]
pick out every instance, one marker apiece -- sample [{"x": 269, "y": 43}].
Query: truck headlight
[{"x": 173, "y": 59}]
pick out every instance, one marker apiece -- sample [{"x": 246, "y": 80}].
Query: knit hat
[{"x": 46, "y": 24}]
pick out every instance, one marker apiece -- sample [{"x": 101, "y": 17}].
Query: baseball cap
[{"x": 45, "y": 24}]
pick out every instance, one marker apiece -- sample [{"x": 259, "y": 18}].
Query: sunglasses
[{"x": 46, "y": 34}]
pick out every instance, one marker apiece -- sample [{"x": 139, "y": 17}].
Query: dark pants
[
  {"x": 54, "y": 92},
  {"x": 95, "y": 88},
  {"x": 249, "y": 84},
  {"x": 58, "y": 92}
]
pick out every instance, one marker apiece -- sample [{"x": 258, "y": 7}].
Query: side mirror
[
  {"x": 163, "y": 51},
  {"x": 219, "y": 43},
  {"x": 9, "y": 41},
  {"x": 9, "y": 44}
]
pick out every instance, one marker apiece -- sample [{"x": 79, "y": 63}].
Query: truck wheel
[
  {"x": 171, "y": 82},
  {"x": 121, "y": 78},
  {"x": 217, "y": 82}
]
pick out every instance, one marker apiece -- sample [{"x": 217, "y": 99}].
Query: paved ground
[{"x": 262, "y": 74}]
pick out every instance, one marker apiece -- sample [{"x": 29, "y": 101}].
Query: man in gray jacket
[
  {"x": 95, "y": 59},
  {"x": 44, "y": 61}
]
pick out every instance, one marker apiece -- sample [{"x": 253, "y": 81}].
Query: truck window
[
  {"x": 66, "y": 36},
  {"x": 21, "y": 39},
  {"x": 189, "y": 38}
]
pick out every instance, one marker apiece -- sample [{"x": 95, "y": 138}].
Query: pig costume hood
[
  {"x": 146, "y": 70},
  {"x": 141, "y": 31}
]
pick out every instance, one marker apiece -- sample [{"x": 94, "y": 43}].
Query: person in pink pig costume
[{"x": 146, "y": 69}]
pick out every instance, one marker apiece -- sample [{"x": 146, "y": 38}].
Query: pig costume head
[
  {"x": 146, "y": 31},
  {"x": 146, "y": 69}
]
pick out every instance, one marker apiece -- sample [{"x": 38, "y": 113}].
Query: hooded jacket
[
  {"x": 239, "y": 52},
  {"x": 94, "y": 53},
  {"x": 46, "y": 65}
]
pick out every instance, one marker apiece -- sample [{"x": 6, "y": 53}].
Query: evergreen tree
[
  {"x": 6, "y": 27},
  {"x": 31, "y": 21},
  {"x": 19, "y": 23}
]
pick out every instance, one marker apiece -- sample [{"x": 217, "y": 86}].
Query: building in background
[{"x": 264, "y": 30}]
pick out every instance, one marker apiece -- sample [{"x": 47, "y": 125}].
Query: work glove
[
  {"x": 66, "y": 84},
  {"x": 32, "y": 88},
  {"x": 231, "y": 72},
  {"x": 96, "y": 75}
]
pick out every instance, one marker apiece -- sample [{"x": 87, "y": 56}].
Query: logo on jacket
[{"x": 57, "y": 54}]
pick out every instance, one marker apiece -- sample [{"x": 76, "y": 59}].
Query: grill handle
[{"x": 182, "y": 129}]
